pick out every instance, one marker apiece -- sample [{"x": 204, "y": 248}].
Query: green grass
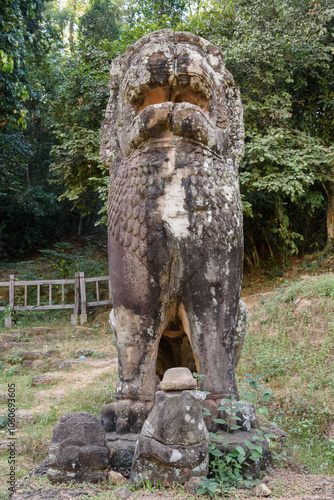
[{"x": 290, "y": 344}]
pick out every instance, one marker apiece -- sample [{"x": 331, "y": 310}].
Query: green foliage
[
  {"x": 76, "y": 161},
  {"x": 14, "y": 358},
  {"x": 330, "y": 452},
  {"x": 283, "y": 69},
  {"x": 19, "y": 23},
  {"x": 14, "y": 151},
  {"x": 99, "y": 22},
  {"x": 227, "y": 467},
  {"x": 3, "y": 421},
  {"x": 29, "y": 219},
  {"x": 65, "y": 260},
  {"x": 164, "y": 14},
  {"x": 79, "y": 110}
]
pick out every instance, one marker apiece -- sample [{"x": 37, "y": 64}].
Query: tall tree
[
  {"x": 79, "y": 107},
  {"x": 27, "y": 205},
  {"x": 284, "y": 69}
]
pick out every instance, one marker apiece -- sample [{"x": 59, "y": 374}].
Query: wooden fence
[{"x": 18, "y": 301}]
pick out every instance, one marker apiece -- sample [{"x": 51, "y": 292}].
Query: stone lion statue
[{"x": 173, "y": 137}]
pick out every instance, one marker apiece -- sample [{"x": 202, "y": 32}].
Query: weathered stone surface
[
  {"x": 125, "y": 416},
  {"x": 27, "y": 363},
  {"x": 261, "y": 490},
  {"x": 173, "y": 444},
  {"x": 67, "y": 364},
  {"x": 11, "y": 345},
  {"x": 78, "y": 450},
  {"x": 116, "y": 478},
  {"x": 51, "y": 353},
  {"x": 176, "y": 418},
  {"x": 121, "y": 449},
  {"x": 31, "y": 355},
  {"x": 51, "y": 337},
  {"x": 193, "y": 485},
  {"x": 8, "y": 338},
  {"x": 240, "y": 331},
  {"x": 45, "y": 378},
  {"x": 123, "y": 493},
  {"x": 279, "y": 434},
  {"x": 51, "y": 494},
  {"x": 173, "y": 139},
  {"x": 36, "y": 330},
  {"x": 155, "y": 462},
  {"x": 83, "y": 330},
  {"x": 177, "y": 379},
  {"x": 243, "y": 410}
]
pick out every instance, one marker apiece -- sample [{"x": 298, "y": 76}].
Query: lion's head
[{"x": 171, "y": 86}]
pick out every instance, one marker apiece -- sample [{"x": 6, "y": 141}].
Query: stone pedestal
[{"x": 173, "y": 444}]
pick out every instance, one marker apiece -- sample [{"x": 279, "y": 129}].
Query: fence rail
[{"x": 79, "y": 304}]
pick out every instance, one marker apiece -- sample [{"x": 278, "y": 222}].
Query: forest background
[{"x": 55, "y": 57}]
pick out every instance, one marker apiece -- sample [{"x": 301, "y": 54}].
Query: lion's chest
[
  {"x": 172, "y": 205},
  {"x": 155, "y": 197}
]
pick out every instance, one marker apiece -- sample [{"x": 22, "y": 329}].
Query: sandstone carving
[
  {"x": 78, "y": 451},
  {"x": 173, "y": 444},
  {"x": 173, "y": 138}
]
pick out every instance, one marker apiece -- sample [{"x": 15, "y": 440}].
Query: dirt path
[{"x": 284, "y": 485}]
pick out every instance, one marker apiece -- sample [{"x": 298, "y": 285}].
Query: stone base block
[
  {"x": 169, "y": 465},
  {"x": 121, "y": 448},
  {"x": 89, "y": 476},
  {"x": 78, "y": 451}
]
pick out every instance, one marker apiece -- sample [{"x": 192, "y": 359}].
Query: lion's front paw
[{"x": 125, "y": 416}]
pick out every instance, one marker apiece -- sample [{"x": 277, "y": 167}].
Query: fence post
[
  {"x": 8, "y": 319},
  {"x": 74, "y": 316},
  {"x": 83, "y": 315}
]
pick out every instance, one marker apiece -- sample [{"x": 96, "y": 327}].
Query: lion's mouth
[
  {"x": 168, "y": 122},
  {"x": 153, "y": 114}
]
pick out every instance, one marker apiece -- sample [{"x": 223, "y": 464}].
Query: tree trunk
[
  {"x": 256, "y": 258},
  {"x": 268, "y": 244},
  {"x": 80, "y": 225},
  {"x": 329, "y": 188},
  {"x": 248, "y": 261},
  {"x": 71, "y": 37},
  {"x": 71, "y": 27}
]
